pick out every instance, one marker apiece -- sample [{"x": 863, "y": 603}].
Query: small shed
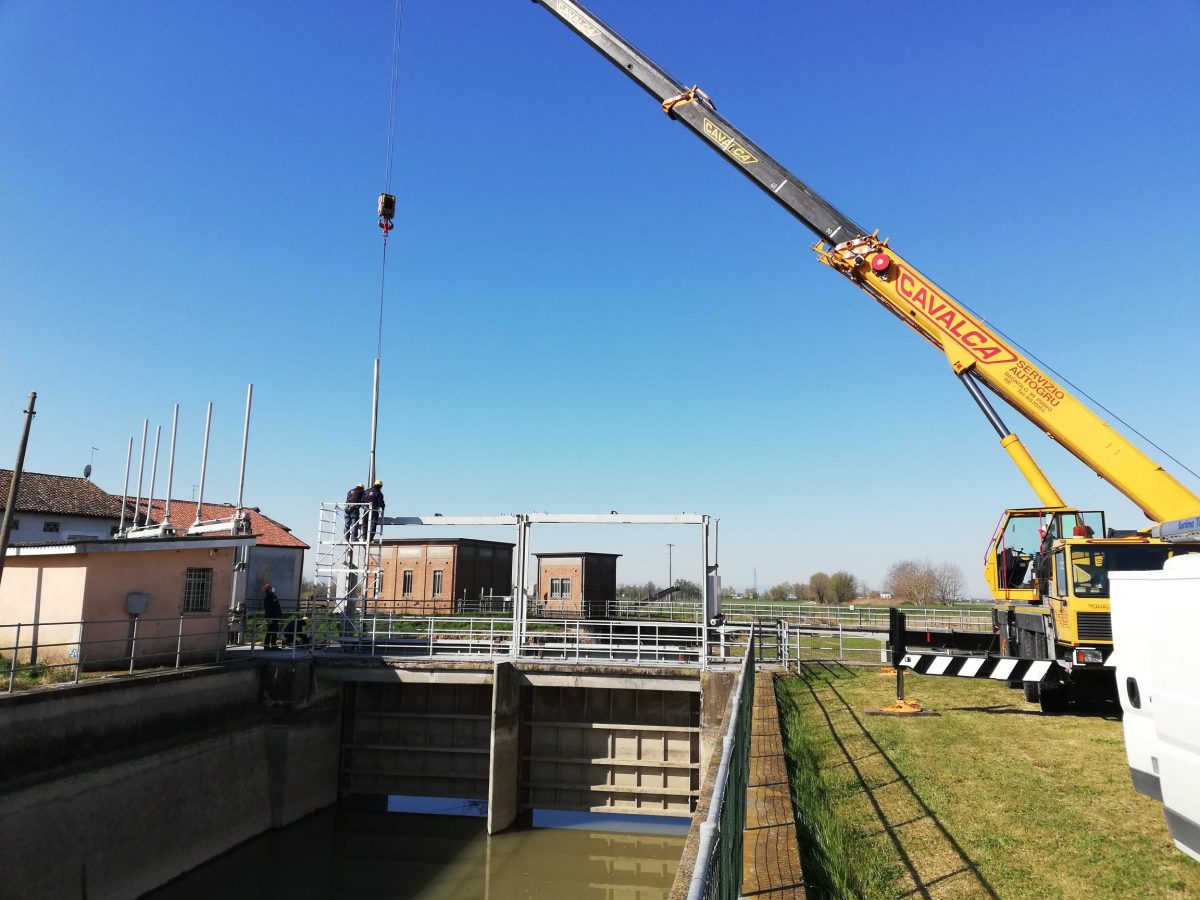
[{"x": 577, "y": 584}]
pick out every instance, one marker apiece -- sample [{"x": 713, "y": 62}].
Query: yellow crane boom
[{"x": 973, "y": 350}]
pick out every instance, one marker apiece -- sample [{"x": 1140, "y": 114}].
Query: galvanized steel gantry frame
[
  {"x": 335, "y": 565},
  {"x": 523, "y": 523}
]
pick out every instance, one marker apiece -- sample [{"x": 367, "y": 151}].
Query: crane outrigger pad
[{"x": 1000, "y": 668}]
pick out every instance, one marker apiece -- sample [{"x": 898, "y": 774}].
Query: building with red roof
[
  {"x": 59, "y": 508},
  {"x": 277, "y": 557}
]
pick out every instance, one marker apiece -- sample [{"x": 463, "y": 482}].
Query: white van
[{"x": 1156, "y": 620}]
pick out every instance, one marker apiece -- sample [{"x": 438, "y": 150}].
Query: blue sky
[{"x": 586, "y": 308}]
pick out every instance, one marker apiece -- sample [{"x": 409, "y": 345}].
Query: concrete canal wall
[{"x": 113, "y": 787}]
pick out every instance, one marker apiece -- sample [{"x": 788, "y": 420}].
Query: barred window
[
  {"x": 50, "y": 527},
  {"x": 408, "y": 581},
  {"x": 197, "y": 590},
  {"x": 560, "y": 587},
  {"x": 437, "y": 582}
]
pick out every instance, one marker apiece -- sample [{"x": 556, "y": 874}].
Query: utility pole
[
  {"x": 670, "y": 577},
  {"x": 11, "y": 505}
]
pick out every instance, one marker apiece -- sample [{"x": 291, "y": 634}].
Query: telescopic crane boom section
[
  {"x": 693, "y": 108},
  {"x": 973, "y": 350}
]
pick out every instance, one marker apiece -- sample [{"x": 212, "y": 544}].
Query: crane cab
[
  {"x": 1014, "y": 566},
  {"x": 1049, "y": 574}
]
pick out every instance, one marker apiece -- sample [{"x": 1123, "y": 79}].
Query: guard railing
[
  {"x": 864, "y": 618},
  {"x": 58, "y": 652},
  {"x": 718, "y": 870}
]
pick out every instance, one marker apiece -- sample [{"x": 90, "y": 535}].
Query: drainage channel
[{"x": 345, "y": 854}]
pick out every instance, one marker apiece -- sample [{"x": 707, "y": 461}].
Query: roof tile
[
  {"x": 60, "y": 495},
  {"x": 269, "y": 532}
]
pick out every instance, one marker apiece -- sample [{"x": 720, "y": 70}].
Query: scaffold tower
[{"x": 349, "y": 560}]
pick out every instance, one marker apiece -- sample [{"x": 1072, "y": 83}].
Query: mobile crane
[{"x": 1047, "y": 566}]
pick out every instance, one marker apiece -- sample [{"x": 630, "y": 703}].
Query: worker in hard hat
[
  {"x": 354, "y": 509},
  {"x": 374, "y": 496},
  {"x": 295, "y": 633}
]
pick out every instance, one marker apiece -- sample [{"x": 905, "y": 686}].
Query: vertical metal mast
[
  {"x": 125, "y": 491},
  {"x": 137, "y": 503},
  {"x": 374, "y": 422},
  {"x": 171, "y": 466},
  {"x": 153, "y": 473},
  {"x": 245, "y": 444},
  {"x": 203, "y": 462}
]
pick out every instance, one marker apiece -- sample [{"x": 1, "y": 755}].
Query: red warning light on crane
[{"x": 880, "y": 262}]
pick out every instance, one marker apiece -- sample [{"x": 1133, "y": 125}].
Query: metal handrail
[
  {"x": 718, "y": 870},
  {"x": 195, "y": 638},
  {"x": 172, "y": 647},
  {"x": 857, "y": 616}
]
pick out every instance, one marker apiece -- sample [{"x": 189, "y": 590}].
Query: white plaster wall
[{"x": 69, "y": 527}]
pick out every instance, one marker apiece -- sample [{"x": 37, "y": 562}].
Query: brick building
[
  {"x": 426, "y": 577},
  {"x": 582, "y": 585}
]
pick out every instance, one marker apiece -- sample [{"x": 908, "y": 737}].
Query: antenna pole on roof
[
  {"x": 171, "y": 466},
  {"x": 203, "y": 463},
  {"x": 11, "y": 504},
  {"x": 153, "y": 472},
  {"x": 137, "y": 503},
  {"x": 245, "y": 444}
]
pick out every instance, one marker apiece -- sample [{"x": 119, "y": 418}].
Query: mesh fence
[{"x": 718, "y": 872}]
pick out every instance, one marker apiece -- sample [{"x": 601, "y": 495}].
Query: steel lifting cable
[
  {"x": 387, "y": 201},
  {"x": 1077, "y": 389},
  {"x": 1101, "y": 406}
]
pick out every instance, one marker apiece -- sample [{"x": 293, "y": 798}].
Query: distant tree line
[
  {"x": 923, "y": 582},
  {"x": 840, "y": 587},
  {"x": 908, "y": 581}
]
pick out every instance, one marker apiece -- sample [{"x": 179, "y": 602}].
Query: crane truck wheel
[
  {"x": 1033, "y": 692},
  {"x": 1052, "y": 697}
]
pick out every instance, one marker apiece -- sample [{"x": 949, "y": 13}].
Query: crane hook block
[{"x": 387, "y": 211}]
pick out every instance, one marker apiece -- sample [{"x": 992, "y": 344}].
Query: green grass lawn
[{"x": 990, "y": 798}]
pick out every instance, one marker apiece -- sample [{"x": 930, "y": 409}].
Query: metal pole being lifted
[
  {"x": 10, "y": 504},
  {"x": 374, "y": 424}
]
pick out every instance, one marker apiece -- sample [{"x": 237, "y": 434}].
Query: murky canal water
[{"x": 340, "y": 853}]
